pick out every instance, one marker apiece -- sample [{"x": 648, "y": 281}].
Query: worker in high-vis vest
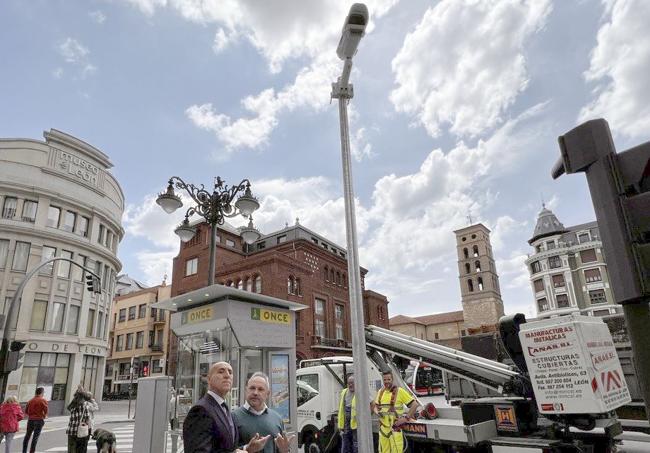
[
  {"x": 347, "y": 419},
  {"x": 389, "y": 406}
]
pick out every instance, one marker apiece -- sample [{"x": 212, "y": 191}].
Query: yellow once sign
[
  {"x": 277, "y": 317},
  {"x": 198, "y": 315}
]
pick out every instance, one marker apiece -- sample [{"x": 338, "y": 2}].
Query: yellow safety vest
[{"x": 353, "y": 411}]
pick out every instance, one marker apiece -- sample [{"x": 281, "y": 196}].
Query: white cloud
[
  {"x": 504, "y": 227},
  {"x": 464, "y": 63},
  {"x": 57, "y": 73},
  {"x": 280, "y": 30},
  {"x": 154, "y": 265},
  {"x": 73, "y": 51},
  {"x": 222, "y": 40},
  {"x": 97, "y": 16},
  {"x": 310, "y": 89},
  {"x": 620, "y": 64},
  {"x": 75, "y": 54}
]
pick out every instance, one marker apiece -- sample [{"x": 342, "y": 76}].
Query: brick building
[{"x": 294, "y": 264}]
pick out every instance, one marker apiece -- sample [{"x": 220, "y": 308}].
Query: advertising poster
[{"x": 280, "y": 385}]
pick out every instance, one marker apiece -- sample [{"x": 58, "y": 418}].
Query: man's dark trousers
[
  {"x": 349, "y": 441},
  {"x": 35, "y": 427}
]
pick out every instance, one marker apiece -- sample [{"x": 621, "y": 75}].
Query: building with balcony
[
  {"x": 139, "y": 334},
  {"x": 58, "y": 199},
  {"x": 568, "y": 271},
  {"x": 294, "y": 264}
]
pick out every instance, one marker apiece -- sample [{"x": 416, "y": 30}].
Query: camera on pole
[{"x": 93, "y": 284}]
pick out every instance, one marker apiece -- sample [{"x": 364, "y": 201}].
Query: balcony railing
[
  {"x": 156, "y": 347},
  {"x": 328, "y": 342}
]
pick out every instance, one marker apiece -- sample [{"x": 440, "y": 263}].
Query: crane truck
[{"x": 557, "y": 396}]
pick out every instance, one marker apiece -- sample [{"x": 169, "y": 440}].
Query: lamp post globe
[
  {"x": 184, "y": 231},
  {"x": 247, "y": 203},
  {"x": 249, "y": 233},
  {"x": 168, "y": 200}
]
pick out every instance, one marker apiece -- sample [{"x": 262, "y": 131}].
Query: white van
[{"x": 319, "y": 384}]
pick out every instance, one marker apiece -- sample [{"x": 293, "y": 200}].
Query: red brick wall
[{"x": 298, "y": 258}]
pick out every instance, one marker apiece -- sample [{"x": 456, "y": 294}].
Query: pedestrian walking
[
  {"x": 10, "y": 414},
  {"x": 81, "y": 418},
  {"x": 347, "y": 418},
  {"x": 36, "y": 411}
]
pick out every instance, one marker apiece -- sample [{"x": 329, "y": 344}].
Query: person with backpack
[
  {"x": 81, "y": 410},
  {"x": 10, "y": 414}
]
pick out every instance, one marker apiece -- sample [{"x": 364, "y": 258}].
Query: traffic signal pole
[
  {"x": 13, "y": 304},
  {"x": 620, "y": 190}
]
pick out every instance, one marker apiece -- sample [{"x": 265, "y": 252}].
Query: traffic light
[
  {"x": 93, "y": 284},
  {"x": 145, "y": 371},
  {"x": 14, "y": 356},
  {"x": 620, "y": 191}
]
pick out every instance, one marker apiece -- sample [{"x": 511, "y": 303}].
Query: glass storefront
[
  {"x": 89, "y": 368},
  {"x": 47, "y": 370}
]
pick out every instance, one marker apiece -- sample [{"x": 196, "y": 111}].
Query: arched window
[
  {"x": 327, "y": 274},
  {"x": 244, "y": 283},
  {"x": 297, "y": 289},
  {"x": 477, "y": 266},
  {"x": 465, "y": 252},
  {"x": 240, "y": 284},
  {"x": 480, "y": 284},
  {"x": 345, "y": 280},
  {"x": 332, "y": 276},
  {"x": 475, "y": 250},
  {"x": 470, "y": 285},
  {"x": 291, "y": 285},
  {"x": 249, "y": 284},
  {"x": 229, "y": 283},
  {"x": 338, "y": 278},
  {"x": 467, "y": 270},
  {"x": 258, "y": 284}
]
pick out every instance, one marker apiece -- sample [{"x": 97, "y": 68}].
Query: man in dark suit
[{"x": 208, "y": 427}]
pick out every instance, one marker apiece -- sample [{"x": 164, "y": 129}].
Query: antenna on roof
[
  {"x": 469, "y": 217},
  {"x": 543, "y": 203}
]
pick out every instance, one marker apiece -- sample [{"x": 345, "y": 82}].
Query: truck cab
[{"x": 319, "y": 383}]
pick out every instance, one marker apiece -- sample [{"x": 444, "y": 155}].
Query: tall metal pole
[
  {"x": 343, "y": 91},
  {"x": 213, "y": 252}
]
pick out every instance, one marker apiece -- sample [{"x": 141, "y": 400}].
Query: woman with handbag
[
  {"x": 78, "y": 429},
  {"x": 10, "y": 414}
]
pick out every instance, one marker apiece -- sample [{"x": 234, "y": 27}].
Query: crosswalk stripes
[{"x": 123, "y": 435}]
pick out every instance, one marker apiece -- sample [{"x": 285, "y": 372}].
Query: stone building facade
[
  {"x": 479, "y": 282},
  {"x": 446, "y": 329},
  {"x": 58, "y": 199},
  {"x": 137, "y": 331},
  {"x": 568, "y": 271},
  {"x": 294, "y": 264}
]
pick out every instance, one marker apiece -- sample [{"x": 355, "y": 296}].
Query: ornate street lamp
[{"x": 214, "y": 208}]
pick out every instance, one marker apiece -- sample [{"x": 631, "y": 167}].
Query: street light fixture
[
  {"x": 353, "y": 30},
  {"x": 213, "y": 207}
]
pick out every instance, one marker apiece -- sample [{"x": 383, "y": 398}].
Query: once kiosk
[{"x": 250, "y": 331}]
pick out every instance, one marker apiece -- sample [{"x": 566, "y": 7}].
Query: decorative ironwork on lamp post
[{"x": 214, "y": 208}]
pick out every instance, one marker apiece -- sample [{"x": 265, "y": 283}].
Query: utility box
[
  {"x": 573, "y": 365},
  {"x": 151, "y": 412}
]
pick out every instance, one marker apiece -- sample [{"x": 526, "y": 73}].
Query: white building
[
  {"x": 58, "y": 199},
  {"x": 568, "y": 271}
]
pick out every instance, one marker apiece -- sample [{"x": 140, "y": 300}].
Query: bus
[{"x": 423, "y": 379}]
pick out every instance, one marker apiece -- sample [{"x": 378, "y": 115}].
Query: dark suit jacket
[{"x": 206, "y": 429}]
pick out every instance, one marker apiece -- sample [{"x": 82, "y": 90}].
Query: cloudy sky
[{"x": 457, "y": 109}]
